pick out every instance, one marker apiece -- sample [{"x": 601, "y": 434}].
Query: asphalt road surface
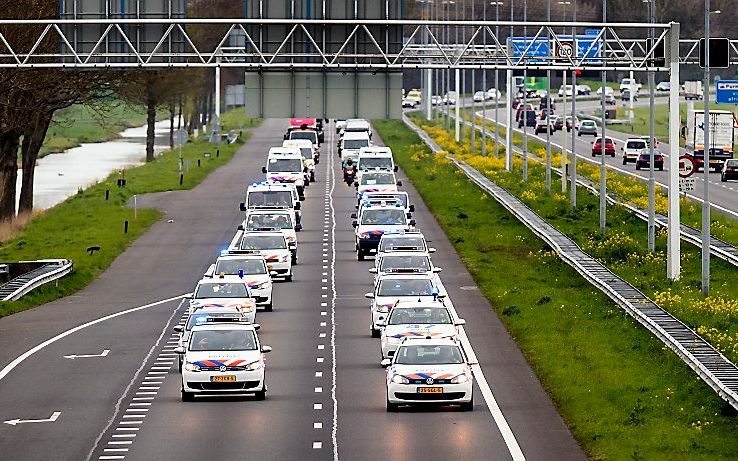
[{"x": 326, "y": 389}]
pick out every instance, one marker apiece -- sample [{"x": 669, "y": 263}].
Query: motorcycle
[{"x": 349, "y": 175}]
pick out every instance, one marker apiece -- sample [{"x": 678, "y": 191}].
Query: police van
[{"x": 286, "y": 165}]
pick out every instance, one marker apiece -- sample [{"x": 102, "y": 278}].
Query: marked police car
[
  {"x": 404, "y": 262},
  {"x": 200, "y": 316},
  {"x": 270, "y": 245},
  {"x": 375, "y": 158},
  {"x": 285, "y": 165},
  {"x": 411, "y": 240},
  {"x": 275, "y": 220},
  {"x": 265, "y": 196},
  {"x": 377, "y": 197},
  {"x": 223, "y": 291},
  {"x": 391, "y": 289},
  {"x": 412, "y": 319},
  {"x": 373, "y": 221},
  {"x": 429, "y": 371},
  {"x": 377, "y": 181},
  {"x": 251, "y": 268},
  {"x": 223, "y": 357}
]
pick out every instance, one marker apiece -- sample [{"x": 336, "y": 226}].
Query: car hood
[
  {"x": 243, "y": 303},
  {"x": 420, "y": 331},
  {"x": 219, "y": 358},
  {"x": 429, "y": 371},
  {"x": 378, "y": 230},
  {"x": 377, "y": 188},
  {"x": 389, "y": 301}
]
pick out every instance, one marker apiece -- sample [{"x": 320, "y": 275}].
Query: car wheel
[
  {"x": 661, "y": 168},
  {"x": 612, "y": 155},
  {"x": 359, "y": 255},
  {"x": 376, "y": 333},
  {"x": 392, "y": 407},
  {"x": 593, "y": 154},
  {"x": 187, "y": 396},
  {"x": 468, "y": 406},
  {"x": 638, "y": 167},
  {"x": 260, "y": 395},
  {"x": 269, "y": 307},
  {"x": 294, "y": 260},
  {"x": 288, "y": 278}
]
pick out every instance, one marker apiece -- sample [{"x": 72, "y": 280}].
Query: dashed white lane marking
[
  {"x": 317, "y": 406},
  {"x": 318, "y": 374},
  {"x": 318, "y": 390},
  {"x": 317, "y": 425},
  {"x": 317, "y": 445},
  {"x": 319, "y": 359}
]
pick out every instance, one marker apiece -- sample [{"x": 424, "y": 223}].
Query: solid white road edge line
[
  {"x": 332, "y": 178},
  {"x": 135, "y": 378}
]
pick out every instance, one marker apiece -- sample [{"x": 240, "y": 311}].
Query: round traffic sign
[
  {"x": 565, "y": 50},
  {"x": 686, "y": 166}
]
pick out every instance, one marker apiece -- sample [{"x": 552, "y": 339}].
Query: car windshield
[
  {"x": 201, "y": 319},
  {"x": 429, "y": 355},
  {"x": 371, "y": 179},
  {"x": 405, "y": 287},
  {"x": 355, "y": 143},
  {"x": 271, "y": 220},
  {"x": 223, "y": 340},
  {"x": 221, "y": 290},
  {"x": 381, "y": 163},
  {"x": 419, "y": 315},
  {"x": 732, "y": 163},
  {"x": 391, "y": 261},
  {"x": 290, "y": 165},
  {"x": 392, "y": 243},
  {"x": 263, "y": 242},
  {"x": 636, "y": 145},
  {"x": 394, "y": 217},
  {"x": 248, "y": 266},
  {"x": 311, "y": 136},
  {"x": 270, "y": 198}
]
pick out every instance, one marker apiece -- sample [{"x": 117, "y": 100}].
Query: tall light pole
[
  {"x": 524, "y": 113},
  {"x": 573, "y": 173},
  {"x": 706, "y": 161},
  {"x": 563, "y": 111},
  {"x": 484, "y": 86},
  {"x": 473, "y": 91},
  {"x": 548, "y": 107},
  {"x": 509, "y": 98},
  {"x": 651, "y": 153},
  {"x": 603, "y": 144},
  {"x": 497, "y": 84}
]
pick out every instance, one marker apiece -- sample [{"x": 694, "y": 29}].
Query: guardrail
[
  {"x": 23, "y": 284},
  {"x": 710, "y": 365}
]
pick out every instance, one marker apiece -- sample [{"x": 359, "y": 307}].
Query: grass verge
[
  {"x": 622, "y": 393},
  {"x": 87, "y": 219}
]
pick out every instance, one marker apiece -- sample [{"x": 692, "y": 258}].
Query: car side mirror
[
  {"x": 397, "y": 168},
  {"x": 412, "y": 222},
  {"x": 372, "y": 270},
  {"x": 353, "y": 216},
  {"x": 460, "y": 322},
  {"x": 431, "y": 250},
  {"x": 369, "y": 295},
  {"x": 264, "y": 169},
  {"x": 399, "y": 183},
  {"x": 178, "y": 328},
  {"x": 298, "y": 227},
  {"x": 355, "y": 224},
  {"x": 266, "y": 349},
  {"x": 297, "y": 206},
  {"x": 411, "y": 208},
  {"x": 240, "y": 227},
  {"x": 179, "y": 350},
  {"x": 385, "y": 363},
  {"x": 256, "y": 326},
  {"x": 242, "y": 206},
  {"x": 437, "y": 270}
]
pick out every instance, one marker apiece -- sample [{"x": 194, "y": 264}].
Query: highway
[
  {"x": 326, "y": 396},
  {"x": 722, "y": 194}
]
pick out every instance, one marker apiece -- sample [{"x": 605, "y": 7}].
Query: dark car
[
  {"x": 519, "y": 110},
  {"x": 730, "y": 170},
  {"x": 609, "y": 147},
  {"x": 645, "y": 157},
  {"x": 544, "y": 101},
  {"x": 530, "y": 119},
  {"x": 544, "y": 113},
  {"x": 558, "y": 123}
]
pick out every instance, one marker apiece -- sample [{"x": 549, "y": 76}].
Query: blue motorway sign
[
  {"x": 537, "y": 51},
  {"x": 727, "y": 91}
]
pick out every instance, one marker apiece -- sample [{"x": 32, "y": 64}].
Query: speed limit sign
[{"x": 565, "y": 50}]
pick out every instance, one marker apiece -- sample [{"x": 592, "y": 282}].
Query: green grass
[
  {"x": 82, "y": 124},
  {"x": 623, "y": 394},
  {"x": 87, "y": 219}
]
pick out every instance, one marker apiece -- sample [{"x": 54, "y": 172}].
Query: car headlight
[
  {"x": 382, "y": 309},
  {"x": 189, "y": 366},
  {"x": 460, "y": 379},
  {"x": 253, "y": 366},
  {"x": 393, "y": 340},
  {"x": 399, "y": 379}
]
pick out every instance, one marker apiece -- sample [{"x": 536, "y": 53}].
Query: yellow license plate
[
  {"x": 223, "y": 379},
  {"x": 430, "y": 390}
]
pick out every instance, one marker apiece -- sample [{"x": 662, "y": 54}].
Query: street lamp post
[
  {"x": 524, "y": 113},
  {"x": 563, "y": 111},
  {"x": 548, "y": 107},
  {"x": 497, "y": 84},
  {"x": 603, "y": 144},
  {"x": 706, "y": 161},
  {"x": 573, "y": 173},
  {"x": 651, "y": 146}
]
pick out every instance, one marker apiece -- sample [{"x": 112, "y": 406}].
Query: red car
[
  {"x": 609, "y": 147},
  {"x": 519, "y": 109}
]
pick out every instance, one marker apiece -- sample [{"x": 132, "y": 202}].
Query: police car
[
  {"x": 429, "y": 371},
  {"x": 411, "y": 240},
  {"x": 275, "y": 220},
  {"x": 377, "y": 181},
  {"x": 404, "y": 262},
  {"x": 266, "y": 196},
  {"x": 375, "y": 221},
  {"x": 223, "y": 358},
  {"x": 391, "y": 289},
  {"x": 285, "y": 165},
  {"x": 223, "y": 291},
  {"x": 413, "y": 319},
  {"x": 377, "y": 197},
  {"x": 200, "y": 316},
  {"x": 375, "y": 158},
  {"x": 352, "y": 142},
  {"x": 251, "y": 268},
  {"x": 270, "y": 245}
]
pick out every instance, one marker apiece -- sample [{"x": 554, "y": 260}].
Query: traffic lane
[
  {"x": 165, "y": 261},
  {"x": 83, "y": 389},
  {"x": 175, "y": 430},
  {"x": 532, "y": 416},
  {"x": 365, "y": 429}
]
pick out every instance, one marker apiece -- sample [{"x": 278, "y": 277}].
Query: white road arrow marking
[
  {"x": 73, "y": 356},
  {"x": 54, "y": 417}
]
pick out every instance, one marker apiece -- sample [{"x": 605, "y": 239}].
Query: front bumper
[
  {"x": 367, "y": 245},
  {"x": 281, "y": 268},
  {"x": 262, "y": 295},
  {"x": 408, "y": 393},
  {"x": 199, "y": 382}
]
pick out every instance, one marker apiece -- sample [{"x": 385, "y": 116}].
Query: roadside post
[{"x": 673, "y": 253}]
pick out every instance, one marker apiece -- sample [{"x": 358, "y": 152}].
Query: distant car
[
  {"x": 609, "y": 147},
  {"x": 632, "y": 149},
  {"x": 572, "y": 123},
  {"x": 730, "y": 170},
  {"x": 493, "y": 93},
  {"x": 542, "y": 124},
  {"x": 480, "y": 96},
  {"x": 544, "y": 113},
  {"x": 558, "y": 123},
  {"x": 587, "y": 127},
  {"x": 584, "y": 90},
  {"x": 608, "y": 90},
  {"x": 436, "y": 100},
  {"x": 663, "y": 86},
  {"x": 644, "y": 160},
  {"x": 610, "y": 99},
  {"x": 626, "y": 95},
  {"x": 409, "y": 103},
  {"x": 567, "y": 90},
  {"x": 519, "y": 111},
  {"x": 449, "y": 98}
]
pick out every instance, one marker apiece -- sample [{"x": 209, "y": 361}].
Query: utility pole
[
  {"x": 497, "y": 86},
  {"x": 524, "y": 113},
  {"x": 603, "y": 144},
  {"x": 509, "y": 109},
  {"x": 651, "y": 146},
  {"x": 548, "y": 107},
  {"x": 706, "y": 162},
  {"x": 564, "y": 154},
  {"x": 473, "y": 91},
  {"x": 484, "y": 88},
  {"x": 573, "y": 173}
]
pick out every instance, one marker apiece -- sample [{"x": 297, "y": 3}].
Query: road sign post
[{"x": 673, "y": 253}]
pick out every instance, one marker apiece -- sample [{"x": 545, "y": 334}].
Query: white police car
[
  {"x": 413, "y": 319},
  {"x": 223, "y": 358},
  {"x": 200, "y": 316},
  {"x": 373, "y": 222},
  {"x": 377, "y": 181},
  {"x": 374, "y": 197},
  {"x": 391, "y": 289},
  {"x": 429, "y": 371},
  {"x": 251, "y": 268},
  {"x": 405, "y": 241},
  {"x": 223, "y": 292},
  {"x": 275, "y": 220},
  {"x": 270, "y": 245},
  {"x": 404, "y": 262}
]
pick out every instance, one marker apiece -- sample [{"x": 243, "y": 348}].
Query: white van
[
  {"x": 353, "y": 141},
  {"x": 285, "y": 165}
]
